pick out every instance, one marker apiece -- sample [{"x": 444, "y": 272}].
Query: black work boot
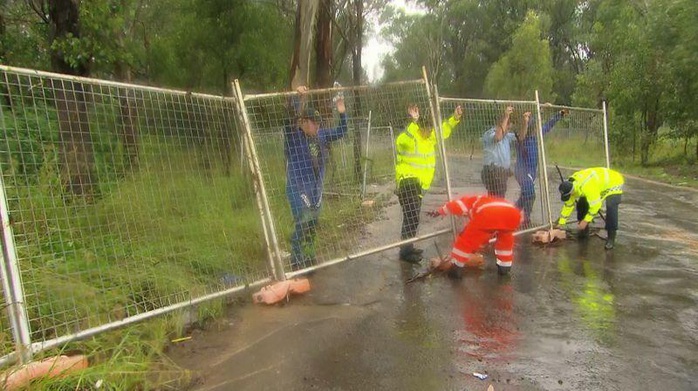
[
  {"x": 611, "y": 241},
  {"x": 407, "y": 254},
  {"x": 455, "y": 272},
  {"x": 503, "y": 270}
]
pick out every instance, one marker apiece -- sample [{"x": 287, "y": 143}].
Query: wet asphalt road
[{"x": 570, "y": 317}]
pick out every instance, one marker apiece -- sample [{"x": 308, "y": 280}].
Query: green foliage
[
  {"x": 204, "y": 44},
  {"x": 22, "y": 37},
  {"x": 526, "y": 67},
  {"x": 640, "y": 54},
  {"x": 417, "y": 43}
]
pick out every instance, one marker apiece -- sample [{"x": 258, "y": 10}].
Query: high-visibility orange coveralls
[{"x": 489, "y": 216}]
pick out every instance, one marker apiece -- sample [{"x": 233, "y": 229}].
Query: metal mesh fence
[
  {"x": 122, "y": 200},
  {"x": 576, "y": 142},
  {"x": 315, "y": 175},
  {"x": 483, "y": 160}
]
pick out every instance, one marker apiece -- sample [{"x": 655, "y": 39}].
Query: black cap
[
  {"x": 565, "y": 189},
  {"x": 311, "y": 114}
]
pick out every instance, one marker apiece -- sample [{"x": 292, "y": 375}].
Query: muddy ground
[{"x": 570, "y": 317}]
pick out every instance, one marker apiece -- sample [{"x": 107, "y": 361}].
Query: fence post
[
  {"x": 366, "y": 159},
  {"x": 442, "y": 148},
  {"x": 544, "y": 162},
  {"x": 262, "y": 199},
  {"x": 605, "y": 136},
  {"x": 12, "y": 283}
]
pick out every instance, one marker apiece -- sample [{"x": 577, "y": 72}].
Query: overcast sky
[{"x": 375, "y": 47}]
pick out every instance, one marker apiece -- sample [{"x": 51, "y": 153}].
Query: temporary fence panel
[
  {"x": 474, "y": 170},
  {"x": 578, "y": 141},
  {"x": 381, "y": 158},
  {"x": 125, "y": 201},
  {"x": 314, "y": 184},
  {"x": 122, "y": 202}
]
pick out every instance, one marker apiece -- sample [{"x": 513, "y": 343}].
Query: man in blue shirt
[
  {"x": 306, "y": 147},
  {"x": 497, "y": 155},
  {"x": 526, "y": 168}
]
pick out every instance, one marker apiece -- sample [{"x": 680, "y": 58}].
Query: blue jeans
[
  {"x": 526, "y": 180},
  {"x": 305, "y": 227}
]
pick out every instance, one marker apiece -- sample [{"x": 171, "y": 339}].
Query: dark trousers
[
  {"x": 527, "y": 198},
  {"x": 495, "y": 180},
  {"x": 409, "y": 192},
  {"x": 612, "y": 204},
  {"x": 305, "y": 221}
]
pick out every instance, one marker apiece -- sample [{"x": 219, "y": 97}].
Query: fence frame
[
  {"x": 543, "y": 164},
  {"x": 260, "y": 190},
  {"x": 9, "y": 271},
  {"x": 12, "y": 283},
  {"x": 267, "y": 211},
  {"x": 13, "y": 286}
]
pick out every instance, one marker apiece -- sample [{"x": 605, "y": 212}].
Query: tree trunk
[
  {"x": 356, "y": 73},
  {"x": 303, "y": 43},
  {"x": 323, "y": 45},
  {"x": 128, "y": 133},
  {"x": 76, "y": 156}
]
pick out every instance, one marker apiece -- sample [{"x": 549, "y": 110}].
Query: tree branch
[{"x": 39, "y": 9}]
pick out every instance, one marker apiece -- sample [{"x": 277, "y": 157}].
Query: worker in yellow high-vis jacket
[
  {"x": 414, "y": 171},
  {"x": 588, "y": 189}
]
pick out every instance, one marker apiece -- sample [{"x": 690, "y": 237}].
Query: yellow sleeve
[
  {"x": 566, "y": 211},
  {"x": 448, "y": 125},
  {"x": 593, "y": 196}
]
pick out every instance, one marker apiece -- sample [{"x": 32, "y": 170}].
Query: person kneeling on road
[
  {"x": 586, "y": 190},
  {"x": 488, "y": 217}
]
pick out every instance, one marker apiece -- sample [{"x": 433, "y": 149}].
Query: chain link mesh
[
  {"x": 576, "y": 143},
  {"x": 123, "y": 199},
  {"x": 510, "y": 169},
  {"x": 315, "y": 184}
]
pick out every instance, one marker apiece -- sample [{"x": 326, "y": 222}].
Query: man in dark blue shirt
[
  {"x": 306, "y": 147},
  {"x": 526, "y": 168}
]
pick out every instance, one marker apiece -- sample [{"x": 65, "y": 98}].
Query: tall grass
[
  {"x": 169, "y": 232},
  {"x": 166, "y": 233}
]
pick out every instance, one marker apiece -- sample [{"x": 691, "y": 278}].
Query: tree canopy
[{"x": 639, "y": 56}]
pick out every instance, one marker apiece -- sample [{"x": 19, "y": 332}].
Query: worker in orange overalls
[{"x": 489, "y": 217}]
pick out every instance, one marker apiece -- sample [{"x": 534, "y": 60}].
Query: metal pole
[
  {"x": 512, "y": 102},
  {"x": 51, "y": 75},
  {"x": 12, "y": 283},
  {"x": 242, "y": 156},
  {"x": 37, "y": 347},
  {"x": 330, "y": 89},
  {"x": 258, "y": 198},
  {"x": 259, "y": 181},
  {"x": 392, "y": 145},
  {"x": 442, "y": 146},
  {"x": 368, "y": 252},
  {"x": 541, "y": 144},
  {"x": 605, "y": 136},
  {"x": 366, "y": 159}
]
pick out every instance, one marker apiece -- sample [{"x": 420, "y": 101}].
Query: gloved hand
[{"x": 434, "y": 213}]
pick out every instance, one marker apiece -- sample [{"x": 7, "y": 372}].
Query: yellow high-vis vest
[
  {"x": 595, "y": 184},
  {"x": 416, "y": 155}
]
